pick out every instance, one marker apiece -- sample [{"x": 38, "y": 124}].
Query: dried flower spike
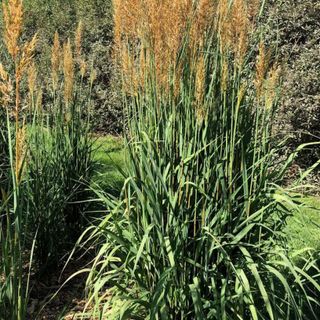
[
  {"x": 5, "y": 87},
  {"x": 68, "y": 70},
  {"x": 261, "y": 69},
  {"x": 13, "y": 15},
  {"x": 32, "y": 78},
  {"x": 83, "y": 67},
  {"x": 271, "y": 86},
  {"x": 26, "y": 57},
  {"x": 55, "y": 61},
  {"x": 20, "y": 151},
  {"x": 78, "y": 40}
]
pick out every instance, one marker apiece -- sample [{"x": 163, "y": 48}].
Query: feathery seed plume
[
  {"x": 26, "y": 57},
  {"x": 20, "y": 151},
  {"x": 55, "y": 60},
  {"x": 83, "y": 67},
  {"x": 68, "y": 70},
  {"x": 240, "y": 29},
  {"x": 200, "y": 80},
  {"x": 39, "y": 99},
  {"x": 271, "y": 86},
  {"x": 13, "y": 15},
  {"x": 224, "y": 75},
  {"x": 253, "y": 8},
  {"x": 261, "y": 69},
  {"x": 224, "y": 25},
  {"x": 78, "y": 40},
  {"x": 32, "y": 77},
  {"x": 5, "y": 86}
]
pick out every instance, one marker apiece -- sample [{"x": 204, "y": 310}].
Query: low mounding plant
[{"x": 197, "y": 230}]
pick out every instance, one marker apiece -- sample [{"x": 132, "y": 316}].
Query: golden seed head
[
  {"x": 235, "y": 23},
  {"x": 55, "y": 60},
  {"x": 20, "y": 151},
  {"x": 5, "y": 87},
  {"x": 240, "y": 30},
  {"x": 32, "y": 78},
  {"x": 26, "y": 57},
  {"x": 224, "y": 25},
  {"x": 224, "y": 75},
  {"x": 83, "y": 67},
  {"x": 68, "y": 70},
  {"x": 242, "y": 92},
  {"x": 158, "y": 27},
  {"x": 206, "y": 10},
  {"x": 261, "y": 69},
  {"x": 253, "y": 8},
  {"x": 39, "y": 99},
  {"x": 271, "y": 86},
  {"x": 13, "y": 16},
  {"x": 200, "y": 80},
  {"x": 3, "y": 73},
  {"x": 78, "y": 40}
]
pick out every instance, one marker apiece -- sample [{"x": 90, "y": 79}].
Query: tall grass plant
[
  {"x": 14, "y": 276},
  {"x": 197, "y": 232},
  {"x": 60, "y": 162}
]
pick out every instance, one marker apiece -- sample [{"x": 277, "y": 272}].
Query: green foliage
[
  {"x": 110, "y": 164},
  {"x": 304, "y": 226},
  {"x": 4, "y": 162},
  {"x": 14, "y": 277},
  {"x": 60, "y": 167}
]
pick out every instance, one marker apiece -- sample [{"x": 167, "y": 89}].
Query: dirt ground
[{"x": 55, "y": 298}]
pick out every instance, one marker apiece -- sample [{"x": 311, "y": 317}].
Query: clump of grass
[
  {"x": 197, "y": 232},
  {"x": 13, "y": 232},
  {"x": 60, "y": 162},
  {"x": 47, "y": 149}
]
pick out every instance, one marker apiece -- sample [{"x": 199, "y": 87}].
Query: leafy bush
[{"x": 294, "y": 28}]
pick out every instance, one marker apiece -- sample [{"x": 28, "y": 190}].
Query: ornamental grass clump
[
  {"x": 197, "y": 232},
  {"x": 60, "y": 163},
  {"x": 46, "y": 158},
  {"x": 14, "y": 277}
]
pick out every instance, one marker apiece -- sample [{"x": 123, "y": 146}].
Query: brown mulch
[{"x": 52, "y": 298}]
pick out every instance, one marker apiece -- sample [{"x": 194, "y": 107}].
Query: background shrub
[{"x": 294, "y": 28}]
